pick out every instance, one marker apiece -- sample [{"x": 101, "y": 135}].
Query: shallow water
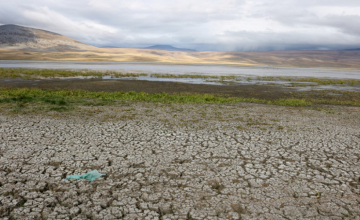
[
  {"x": 196, "y": 69},
  {"x": 161, "y": 79}
]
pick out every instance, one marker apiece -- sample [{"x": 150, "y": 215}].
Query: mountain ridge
[{"x": 16, "y": 37}]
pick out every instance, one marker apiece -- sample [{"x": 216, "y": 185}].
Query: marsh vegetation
[
  {"x": 34, "y": 99},
  {"x": 64, "y": 99}
]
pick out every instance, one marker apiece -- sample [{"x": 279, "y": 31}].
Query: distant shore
[{"x": 347, "y": 59}]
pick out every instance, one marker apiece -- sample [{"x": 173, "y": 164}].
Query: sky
[{"x": 204, "y": 25}]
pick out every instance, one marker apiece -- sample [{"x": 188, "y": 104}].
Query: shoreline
[{"x": 103, "y": 62}]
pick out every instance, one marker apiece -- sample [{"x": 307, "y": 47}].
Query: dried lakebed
[{"x": 193, "y": 161}]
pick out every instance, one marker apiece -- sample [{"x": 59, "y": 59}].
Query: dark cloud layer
[{"x": 224, "y": 25}]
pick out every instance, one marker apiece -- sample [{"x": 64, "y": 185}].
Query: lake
[{"x": 176, "y": 68}]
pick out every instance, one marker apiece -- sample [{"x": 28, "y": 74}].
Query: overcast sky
[{"x": 223, "y": 25}]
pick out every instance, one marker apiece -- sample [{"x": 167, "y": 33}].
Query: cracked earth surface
[{"x": 239, "y": 161}]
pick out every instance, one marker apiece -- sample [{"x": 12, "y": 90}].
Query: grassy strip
[
  {"x": 28, "y": 95},
  {"x": 66, "y": 97},
  {"x": 318, "y": 81},
  {"x": 51, "y": 73}
]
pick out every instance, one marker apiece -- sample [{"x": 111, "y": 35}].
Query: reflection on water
[
  {"x": 198, "y": 69},
  {"x": 162, "y": 79}
]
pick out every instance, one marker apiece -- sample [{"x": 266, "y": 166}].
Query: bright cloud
[{"x": 202, "y": 24}]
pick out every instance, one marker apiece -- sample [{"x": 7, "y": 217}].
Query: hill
[
  {"x": 14, "y": 37},
  {"x": 168, "y": 48},
  {"x": 318, "y": 59},
  {"x": 354, "y": 49}
]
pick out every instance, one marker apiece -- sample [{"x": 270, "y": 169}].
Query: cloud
[{"x": 203, "y": 24}]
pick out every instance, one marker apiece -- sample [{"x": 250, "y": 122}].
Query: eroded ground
[{"x": 238, "y": 161}]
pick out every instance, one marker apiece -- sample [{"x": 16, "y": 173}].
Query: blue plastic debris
[{"x": 92, "y": 175}]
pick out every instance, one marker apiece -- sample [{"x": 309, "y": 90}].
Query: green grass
[
  {"x": 62, "y": 100},
  {"x": 349, "y": 82},
  {"x": 21, "y": 101},
  {"x": 62, "y": 97}
]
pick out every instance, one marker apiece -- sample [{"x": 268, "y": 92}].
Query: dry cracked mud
[{"x": 183, "y": 161}]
